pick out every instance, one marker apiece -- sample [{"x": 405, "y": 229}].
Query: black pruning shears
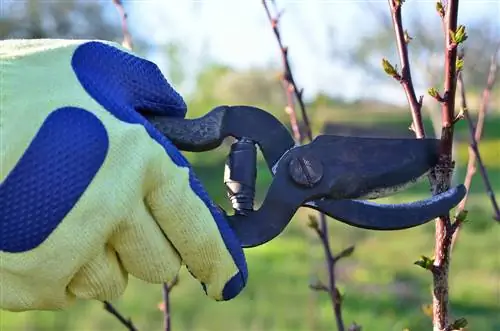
[{"x": 327, "y": 174}]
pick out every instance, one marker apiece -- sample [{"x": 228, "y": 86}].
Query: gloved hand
[{"x": 90, "y": 191}]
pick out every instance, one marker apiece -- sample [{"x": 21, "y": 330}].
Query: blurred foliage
[
  {"x": 218, "y": 84},
  {"x": 57, "y": 19}
]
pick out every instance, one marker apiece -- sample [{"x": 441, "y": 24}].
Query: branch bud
[
  {"x": 459, "y": 324},
  {"x": 408, "y": 38},
  {"x": 433, "y": 92},
  {"x": 345, "y": 253},
  {"x": 425, "y": 262},
  {"x": 458, "y": 36},
  {"x": 462, "y": 216},
  {"x": 390, "y": 69},
  {"x": 459, "y": 65},
  {"x": 313, "y": 222},
  {"x": 440, "y": 9}
]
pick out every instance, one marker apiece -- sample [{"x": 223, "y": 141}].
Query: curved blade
[
  {"x": 368, "y": 168},
  {"x": 373, "y": 216}
]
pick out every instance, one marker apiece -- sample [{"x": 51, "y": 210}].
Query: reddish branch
[
  {"x": 405, "y": 77},
  {"x": 289, "y": 81},
  {"x": 440, "y": 176},
  {"x": 127, "y": 38},
  {"x": 165, "y": 305},
  {"x": 321, "y": 229}
]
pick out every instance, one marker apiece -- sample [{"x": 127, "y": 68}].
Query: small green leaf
[
  {"x": 462, "y": 216},
  {"x": 459, "y": 64},
  {"x": 388, "y": 68},
  {"x": 452, "y": 37},
  {"x": 425, "y": 262},
  {"x": 439, "y": 8},
  {"x": 459, "y": 36},
  {"x": 459, "y": 324},
  {"x": 433, "y": 92}
]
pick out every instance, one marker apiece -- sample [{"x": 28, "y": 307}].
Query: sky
[{"x": 238, "y": 33}]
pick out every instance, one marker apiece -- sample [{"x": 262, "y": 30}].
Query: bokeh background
[{"x": 224, "y": 52}]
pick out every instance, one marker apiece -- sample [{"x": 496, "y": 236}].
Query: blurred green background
[{"x": 382, "y": 288}]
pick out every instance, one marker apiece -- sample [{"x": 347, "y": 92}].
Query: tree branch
[
  {"x": 113, "y": 311},
  {"x": 441, "y": 175},
  {"x": 127, "y": 38},
  {"x": 288, "y": 78},
  {"x": 290, "y": 86},
  {"x": 165, "y": 305},
  {"x": 405, "y": 77}
]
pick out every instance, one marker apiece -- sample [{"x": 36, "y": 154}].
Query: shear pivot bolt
[{"x": 305, "y": 171}]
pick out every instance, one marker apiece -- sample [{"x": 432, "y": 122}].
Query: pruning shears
[{"x": 332, "y": 174}]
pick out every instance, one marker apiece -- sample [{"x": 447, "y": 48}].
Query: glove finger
[
  {"x": 102, "y": 278},
  {"x": 144, "y": 250},
  {"x": 198, "y": 231},
  {"x": 107, "y": 71}
]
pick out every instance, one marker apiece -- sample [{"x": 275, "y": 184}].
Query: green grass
[{"x": 383, "y": 289}]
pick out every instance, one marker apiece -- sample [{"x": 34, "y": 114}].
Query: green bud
[
  {"x": 459, "y": 36},
  {"x": 462, "y": 215},
  {"x": 459, "y": 324},
  {"x": 459, "y": 64},
  {"x": 433, "y": 92},
  {"x": 388, "y": 68},
  {"x": 425, "y": 262},
  {"x": 439, "y": 8}
]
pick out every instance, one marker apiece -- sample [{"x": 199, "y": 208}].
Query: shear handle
[{"x": 207, "y": 132}]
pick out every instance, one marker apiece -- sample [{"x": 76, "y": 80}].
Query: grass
[{"x": 383, "y": 289}]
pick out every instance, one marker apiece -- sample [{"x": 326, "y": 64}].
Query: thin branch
[
  {"x": 113, "y": 311},
  {"x": 165, "y": 305},
  {"x": 483, "y": 109},
  {"x": 440, "y": 176},
  {"x": 335, "y": 296},
  {"x": 287, "y": 74},
  {"x": 287, "y": 85},
  {"x": 290, "y": 86},
  {"x": 127, "y": 38},
  {"x": 331, "y": 260},
  {"x": 405, "y": 78},
  {"x": 476, "y": 132}
]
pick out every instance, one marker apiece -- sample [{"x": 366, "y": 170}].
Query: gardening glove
[{"x": 90, "y": 191}]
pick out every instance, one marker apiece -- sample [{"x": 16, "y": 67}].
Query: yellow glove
[{"x": 90, "y": 191}]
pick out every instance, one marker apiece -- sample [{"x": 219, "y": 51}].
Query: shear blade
[
  {"x": 373, "y": 216},
  {"x": 368, "y": 168}
]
